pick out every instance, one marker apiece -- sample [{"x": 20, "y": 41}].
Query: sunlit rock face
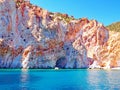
[
  {"x": 109, "y": 55},
  {"x": 31, "y": 37},
  {"x": 114, "y": 49}
]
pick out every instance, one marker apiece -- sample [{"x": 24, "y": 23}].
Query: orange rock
[{"x": 46, "y": 36}]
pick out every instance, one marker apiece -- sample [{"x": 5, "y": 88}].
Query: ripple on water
[{"x": 60, "y": 80}]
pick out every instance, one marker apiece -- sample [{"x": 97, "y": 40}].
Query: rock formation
[
  {"x": 109, "y": 54},
  {"x": 32, "y": 37}
]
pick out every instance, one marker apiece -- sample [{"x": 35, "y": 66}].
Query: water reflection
[
  {"x": 113, "y": 79},
  {"x": 60, "y": 80},
  {"x": 24, "y": 79},
  {"x": 103, "y": 80},
  {"x": 98, "y": 80},
  {"x": 24, "y": 76},
  {"x": 93, "y": 78}
]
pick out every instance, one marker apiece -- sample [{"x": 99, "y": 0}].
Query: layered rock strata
[{"x": 32, "y": 37}]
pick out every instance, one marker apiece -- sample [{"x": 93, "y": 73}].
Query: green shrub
[
  {"x": 64, "y": 17},
  {"x": 114, "y": 27}
]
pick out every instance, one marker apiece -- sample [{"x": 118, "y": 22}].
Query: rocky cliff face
[
  {"x": 31, "y": 37},
  {"x": 109, "y": 55}
]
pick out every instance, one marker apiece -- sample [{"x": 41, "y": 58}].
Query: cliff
[{"x": 32, "y": 37}]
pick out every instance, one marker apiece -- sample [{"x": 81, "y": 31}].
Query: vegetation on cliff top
[
  {"x": 114, "y": 27},
  {"x": 60, "y": 16},
  {"x": 64, "y": 17}
]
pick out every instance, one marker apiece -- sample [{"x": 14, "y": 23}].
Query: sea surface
[{"x": 73, "y": 79}]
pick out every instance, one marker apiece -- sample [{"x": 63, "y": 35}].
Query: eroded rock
[{"x": 31, "y": 37}]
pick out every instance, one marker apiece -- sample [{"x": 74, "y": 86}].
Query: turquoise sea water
[{"x": 59, "y": 80}]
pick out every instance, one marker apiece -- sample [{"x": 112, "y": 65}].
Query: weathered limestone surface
[
  {"x": 108, "y": 55},
  {"x": 31, "y": 37}
]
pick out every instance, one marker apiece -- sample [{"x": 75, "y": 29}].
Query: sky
[{"x": 104, "y": 11}]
